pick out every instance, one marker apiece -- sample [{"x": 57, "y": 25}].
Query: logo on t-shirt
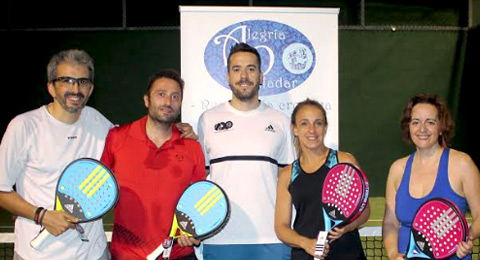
[
  {"x": 72, "y": 137},
  {"x": 179, "y": 157},
  {"x": 223, "y": 126},
  {"x": 270, "y": 128}
]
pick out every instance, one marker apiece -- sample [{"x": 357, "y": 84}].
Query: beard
[
  {"x": 165, "y": 119},
  {"x": 62, "y": 100},
  {"x": 247, "y": 94}
]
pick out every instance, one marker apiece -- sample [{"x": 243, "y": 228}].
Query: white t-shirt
[
  {"x": 244, "y": 150},
  {"x": 34, "y": 150}
]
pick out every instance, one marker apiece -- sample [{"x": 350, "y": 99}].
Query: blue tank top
[{"x": 406, "y": 205}]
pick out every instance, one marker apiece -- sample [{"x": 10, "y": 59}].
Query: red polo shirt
[{"x": 151, "y": 181}]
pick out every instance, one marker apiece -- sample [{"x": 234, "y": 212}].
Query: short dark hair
[
  {"x": 169, "y": 74},
  {"x": 243, "y": 47},
  {"x": 447, "y": 125},
  {"x": 70, "y": 56}
]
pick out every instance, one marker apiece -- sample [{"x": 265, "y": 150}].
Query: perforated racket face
[
  {"x": 87, "y": 189},
  {"x": 203, "y": 209},
  {"x": 437, "y": 229},
  {"x": 345, "y": 192}
]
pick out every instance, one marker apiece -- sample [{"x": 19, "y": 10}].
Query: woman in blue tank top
[
  {"x": 300, "y": 184},
  {"x": 433, "y": 170}
]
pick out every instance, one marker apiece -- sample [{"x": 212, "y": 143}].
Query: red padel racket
[
  {"x": 201, "y": 212},
  {"x": 437, "y": 229},
  {"x": 87, "y": 190},
  {"x": 344, "y": 197}
]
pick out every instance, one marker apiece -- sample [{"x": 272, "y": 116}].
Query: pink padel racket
[
  {"x": 437, "y": 229},
  {"x": 344, "y": 197}
]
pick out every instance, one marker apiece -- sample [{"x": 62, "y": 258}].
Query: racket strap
[
  {"x": 320, "y": 245},
  {"x": 81, "y": 233},
  {"x": 167, "y": 245}
]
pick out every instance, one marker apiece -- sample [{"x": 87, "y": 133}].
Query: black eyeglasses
[{"x": 69, "y": 81}]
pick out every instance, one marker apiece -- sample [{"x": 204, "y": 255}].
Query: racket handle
[
  {"x": 320, "y": 245},
  {"x": 153, "y": 255},
  {"x": 39, "y": 240}
]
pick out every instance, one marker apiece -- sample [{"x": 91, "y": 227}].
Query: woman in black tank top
[{"x": 300, "y": 184}]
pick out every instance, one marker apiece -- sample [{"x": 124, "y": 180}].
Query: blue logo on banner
[{"x": 288, "y": 57}]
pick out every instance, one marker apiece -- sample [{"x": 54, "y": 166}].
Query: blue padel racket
[
  {"x": 344, "y": 198},
  {"x": 201, "y": 212},
  {"x": 87, "y": 190},
  {"x": 437, "y": 229}
]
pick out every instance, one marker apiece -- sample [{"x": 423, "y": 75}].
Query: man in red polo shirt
[{"x": 153, "y": 166}]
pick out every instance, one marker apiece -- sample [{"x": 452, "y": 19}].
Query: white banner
[{"x": 298, "y": 46}]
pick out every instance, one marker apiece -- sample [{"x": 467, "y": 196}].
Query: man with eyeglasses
[{"x": 37, "y": 146}]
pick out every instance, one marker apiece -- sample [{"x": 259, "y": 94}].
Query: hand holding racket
[
  {"x": 201, "y": 212},
  {"x": 437, "y": 229},
  {"x": 87, "y": 190},
  {"x": 344, "y": 198}
]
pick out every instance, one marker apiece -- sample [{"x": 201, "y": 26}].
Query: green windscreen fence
[{"x": 378, "y": 72}]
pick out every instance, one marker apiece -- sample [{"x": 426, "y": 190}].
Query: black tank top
[{"x": 306, "y": 192}]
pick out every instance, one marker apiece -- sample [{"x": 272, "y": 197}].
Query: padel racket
[
  {"x": 344, "y": 197},
  {"x": 437, "y": 229},
  {"x": 87, "y": 190},
  {"x": 201, "y": 212}
]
